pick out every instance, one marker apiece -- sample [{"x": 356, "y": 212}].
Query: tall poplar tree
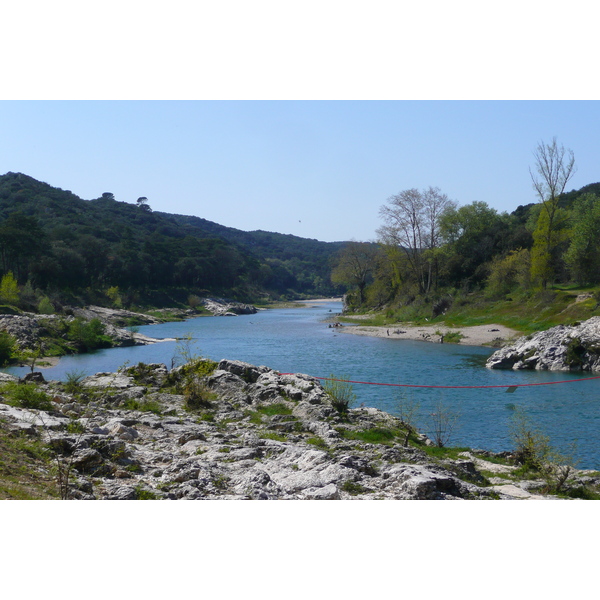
[{"x": 554, "y": 167}]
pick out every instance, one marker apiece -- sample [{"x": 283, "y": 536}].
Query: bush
[
  {"x": 73, "y": 385},
  {"x": 45, "y": 307},
  {"x": 341, "y": 393},
  {"x": 27, "y": 395},
  {"x": 9, "y": 290},
  {"x": 88, "y": 335},
  {"x": 8, "y": 347},
  {"x": 197, "y": 395}
]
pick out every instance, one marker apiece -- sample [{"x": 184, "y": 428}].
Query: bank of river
[{"x": 299, "y": 340}]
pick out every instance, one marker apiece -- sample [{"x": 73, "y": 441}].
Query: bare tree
[
  {"x": 554, "y": 171},
  {"x": 554, "y": 166},
  {"x": 412, "y": 224}
]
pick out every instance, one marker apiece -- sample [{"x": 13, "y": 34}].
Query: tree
[
  {"x": 355, "y": 265},
  {"x": 473, "y": 233},
  {"x": 583, "y": 255},
  {"x": 9, "y": 290},
  {"x": 412, "y": 224},
  {"x": 554, "y": 166},
  {"x": 142, "y": 203}
]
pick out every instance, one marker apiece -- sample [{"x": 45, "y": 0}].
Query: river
[{"x": 299, "y": 340}]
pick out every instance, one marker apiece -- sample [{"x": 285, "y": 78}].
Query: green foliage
[
  {"x": 374, "y": 435},
  {"x": 24, "y": 465},
  {"x": 340, "y": 392},
  {"x": 354, "y": 266},
  {"x": 318, "y": 442},
  {"x": 508, "y": 273},
  {"x": 452, "y": 337},
  {"x": 73, "y": 382},
  {"x": 197, "y": 394},
  {"x": 88, "y": 335},
  {"x": 546, "y": 238},
  {"x": 26, "y": 395},
  {"x": 65, "y": 243},
  {"x": 45, "y": 307},
  {"x": 143, "y": 406},
  {"x": 274, "y": 409},
  {"x": 144, "y": 494},
  {"x": 8, "y": 347},
  {"x": 115, "y": 296},
  {"x": 534, "y": 452},
  {"x": 353, "y": 488},
  {"x": 532, "y": 447},
  {"x": 583, "y": 255},
  {"x": 9, "y": 289},
  {"x": 270, "y": 435}
]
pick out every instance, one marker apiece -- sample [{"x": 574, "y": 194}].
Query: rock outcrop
[
  {"x": 29, "y": 329},
  {"x": 561, "y": 348},
  {"x": 236, "y": 431},
  {"x": 220, "y": 307}
]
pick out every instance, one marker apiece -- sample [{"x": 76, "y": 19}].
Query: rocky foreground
[
  {"x": 235, "y": 431},
  {"x": 561, "y": 348}
]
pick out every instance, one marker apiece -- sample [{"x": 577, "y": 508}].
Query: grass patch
[
  {"x": 25, "y": 465},
  {"x": 318, "y": 442},
  {"x": 375, "y": 435},
  {"x": 143, "y": 406},
  {"x": 353, "y": 488},
  {"x": 269, "y": 410},
  {"x": 443, "y": 452},
  {"x": 26, "y": 395},
  {"x": 143, "y": 494},
  {"x": 274, "y": 409}
]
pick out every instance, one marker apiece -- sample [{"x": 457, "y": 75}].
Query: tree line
[
  {"x": 57, "y": 246},
  {"x": 430, "y": 247}
]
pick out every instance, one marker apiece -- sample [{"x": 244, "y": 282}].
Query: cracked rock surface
[{"x": 237, "y": 431}]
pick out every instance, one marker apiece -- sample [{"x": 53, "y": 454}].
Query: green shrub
[
  {"x": 318, "y": 442},
  {"x": 27, "y": 395},
  {"x": 8, "y": 347},
  {"x": 73, "y": 385},
  {"x": 9, "y": 289},
  {"x": 143, "y": 406},
  {"x": 197, "y": 395},
  {"x": 88, "y": 335},
  {"x": 143, "y": 494},
  {"x": 340, "y": 392},
  {"x": 45, "y": 307},
  {"x": 354, "y": 488}
]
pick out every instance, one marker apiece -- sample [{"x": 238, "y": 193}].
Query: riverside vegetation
[
  {"x": 231, "y": 430},
  {"x": 439, "y": 262}
]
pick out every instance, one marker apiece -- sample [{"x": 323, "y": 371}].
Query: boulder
[{"x": 561, "y": 348}]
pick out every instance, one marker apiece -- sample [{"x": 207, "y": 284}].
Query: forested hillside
[{"x": 61, "y": 247}]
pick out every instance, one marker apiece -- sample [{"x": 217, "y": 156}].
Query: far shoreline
[{"x": 492, "y": 335}]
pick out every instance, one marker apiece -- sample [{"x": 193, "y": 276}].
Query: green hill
[{"x": 74, "y": 249}]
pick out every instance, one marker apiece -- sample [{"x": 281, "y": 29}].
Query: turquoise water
[{"x": 298, "y": 340}]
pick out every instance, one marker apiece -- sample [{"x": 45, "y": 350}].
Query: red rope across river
[{"x": 511, "y": 387}]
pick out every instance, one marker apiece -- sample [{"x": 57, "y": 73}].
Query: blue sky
[
  {"x": 317, "y": 169},
  {"x": 299, "y": 118}
]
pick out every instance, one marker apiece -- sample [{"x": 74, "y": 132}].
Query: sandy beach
[{"x": 479, "y": 335}]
